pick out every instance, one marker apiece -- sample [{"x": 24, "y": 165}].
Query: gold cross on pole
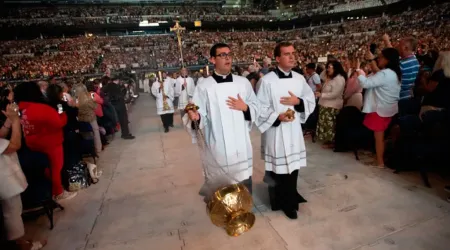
[{"x": 178, "y": 29}]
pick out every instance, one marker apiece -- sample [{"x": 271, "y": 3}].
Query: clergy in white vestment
[
  {"x": 284, "y": 149},
  {"x": 228, "y": 108},
  {"x": 204, "y": 75},
  {"x": 163, "y": 91},
  {"x": 184, "y": 89},
  {"x": 146, "y": 83}
]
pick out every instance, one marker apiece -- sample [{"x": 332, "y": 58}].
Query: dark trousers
[
  {"x": 167, "y": 120},
  {"x": 410, "y": 106},
  {"x": 248, "y": 183},
  {"x": 182, "y": 113},
  {"x": 122, "y": 114},
  {"x": 175, "y": 101},
  {"x": 283, "y": 194}
]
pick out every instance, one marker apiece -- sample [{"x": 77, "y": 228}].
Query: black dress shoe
[
  {"x": 128, "y": 137},
  {"x": 300, "y": 198},
  {"x": 291, "y": 214},
  {"x": 275, "y": 207},
  {"x": 166, "y": 130}
]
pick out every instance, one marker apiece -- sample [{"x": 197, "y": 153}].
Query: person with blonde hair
[{"x": 86, "y": 113}]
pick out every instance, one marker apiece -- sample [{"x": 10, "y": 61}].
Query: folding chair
[{"x": 37, "y": 198}]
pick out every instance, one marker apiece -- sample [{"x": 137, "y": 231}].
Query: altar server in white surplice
[
  {"x": 228, "y": 107},
  {"x": 164, "y": 101},
  {"x": 284, "y": 147},
  {"x": 147, "y": 86},
  {"x": 184, "y": 89}
]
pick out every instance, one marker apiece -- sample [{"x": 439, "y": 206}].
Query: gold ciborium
[
  {"x": 191, "y": 106},
  {"x": 230, "y": 208},
  {"x": 290, "y": 114}
]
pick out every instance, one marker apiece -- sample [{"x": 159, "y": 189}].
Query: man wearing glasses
[
  {"x": 284, "y": 149},
  {"x": 227, "y": 109}
]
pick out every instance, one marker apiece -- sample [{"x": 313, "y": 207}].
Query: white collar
[
  {"x": 285, "y": 73},
  {"x": 224, "y": 76}
]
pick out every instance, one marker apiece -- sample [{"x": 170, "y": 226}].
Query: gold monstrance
[{"x": 178, "y": 29}]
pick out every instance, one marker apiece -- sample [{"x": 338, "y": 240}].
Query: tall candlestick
[
  {"x": 160, "y": 76},
  {"x": 207, "y": 70}
]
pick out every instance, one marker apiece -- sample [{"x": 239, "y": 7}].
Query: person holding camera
[{"x": 13, "y": 181}]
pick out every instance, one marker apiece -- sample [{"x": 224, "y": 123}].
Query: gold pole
[{"x": 178, "y": 29}]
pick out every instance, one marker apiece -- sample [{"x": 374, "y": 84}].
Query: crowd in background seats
[
  {"x": 100, "y": 14},
  {"x": 70, "y": 56},
  {"x": 413, "y": 135}
]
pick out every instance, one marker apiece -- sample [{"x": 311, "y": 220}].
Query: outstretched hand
[
  {"x": 237, "y": 104},
  {"x": 290, "y": 100}
]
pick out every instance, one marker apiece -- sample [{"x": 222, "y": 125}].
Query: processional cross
[{"x": 178, "y": 29}]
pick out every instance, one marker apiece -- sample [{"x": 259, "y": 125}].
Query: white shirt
[
  {"x": 313, "y": 81},
  {"x": 12, "y": 179},
  {"x": 382, "y": 94}
]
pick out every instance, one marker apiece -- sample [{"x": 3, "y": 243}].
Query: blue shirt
[{"x": 410, "y": 68}]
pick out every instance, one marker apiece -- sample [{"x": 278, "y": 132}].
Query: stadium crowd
[
  {"x": 79, "y": 116},
  {"x": 69, "y": 56}
]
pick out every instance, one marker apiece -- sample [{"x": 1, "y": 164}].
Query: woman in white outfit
[
  {"x": 381, "y": 97},
  {"x": 13, "y": 181}
]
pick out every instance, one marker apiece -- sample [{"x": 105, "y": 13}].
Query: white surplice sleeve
[
  {"x": 267, "y": 115},
  {"x": 309, "y": 101},
  {"x": 190, "y": 88},
  {"x": 170, "y": 92},
  {"x": 200, "y": 99},
  {"x": 156, "y": 91},
  {"x": 253, "y": 104}
]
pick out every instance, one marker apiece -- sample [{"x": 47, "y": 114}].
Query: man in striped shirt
[{"x": 410, "y": 68}]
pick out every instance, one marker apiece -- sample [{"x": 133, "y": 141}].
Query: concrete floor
[{"x": 147, "y": 199}]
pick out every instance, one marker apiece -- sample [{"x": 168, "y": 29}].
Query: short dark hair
[
  {"x": 277, "y": 50},
  {"x": 311, "y": 66},
  {"x": 213, "y": 51},
  {"x": 90, "y": 86},
  {"x": 253, "y": 75}
]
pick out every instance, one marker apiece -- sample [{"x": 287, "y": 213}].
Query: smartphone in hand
[{"x": 60, "y": 108}]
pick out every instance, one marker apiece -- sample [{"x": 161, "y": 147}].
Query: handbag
[{"x": 77, "y": 177}]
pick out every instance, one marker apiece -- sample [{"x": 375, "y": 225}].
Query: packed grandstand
[{"x": 90, "y": 38}]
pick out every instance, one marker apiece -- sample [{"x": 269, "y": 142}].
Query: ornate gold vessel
[
  {"x": 230, "y": 207},
  {"x": 290, "y": 114}
]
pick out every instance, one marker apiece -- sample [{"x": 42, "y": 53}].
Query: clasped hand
[{"x": 283, "y": 118}]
